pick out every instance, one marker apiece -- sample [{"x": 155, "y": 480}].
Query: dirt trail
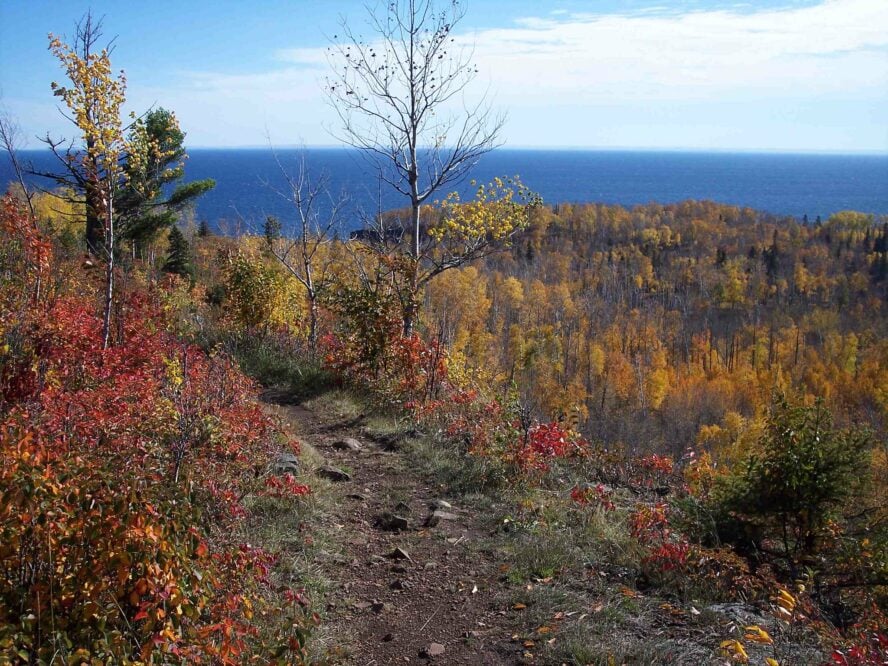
[{"x": 438, "y": 604}]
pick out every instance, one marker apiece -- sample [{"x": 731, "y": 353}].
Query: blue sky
[{"x": 784, "y": 76}]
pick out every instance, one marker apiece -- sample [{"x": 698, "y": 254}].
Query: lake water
[{"x": 782, "y": 184}]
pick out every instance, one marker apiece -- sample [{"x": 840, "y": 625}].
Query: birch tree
[
  {"x": 94, "y": 97},
  {"x": 299, "y": 247}
]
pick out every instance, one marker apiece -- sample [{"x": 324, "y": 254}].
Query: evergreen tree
[
  {"x": 789, "y": 486},
  {"x": 881, "y": 243},
  {"x": 155, "y": 163},
  {"x": 179, "y": 258},
  {"x": 203, "y": 229},
  {"x": 771, "y": 258},
  {"x": 879, "y": 269},
  {"x": 271, "y": 229}
]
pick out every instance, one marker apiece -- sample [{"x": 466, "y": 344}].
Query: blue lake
[{"x": 782, "y": 184}]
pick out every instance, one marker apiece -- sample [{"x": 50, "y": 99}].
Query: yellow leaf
[
  {"x": 736, "y": 650},
  {"x": 758, "y": 635}
]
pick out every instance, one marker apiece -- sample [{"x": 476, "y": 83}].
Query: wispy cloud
[
  {"x": 831, "y": 50},
  {"x": 839, "y": 45}
]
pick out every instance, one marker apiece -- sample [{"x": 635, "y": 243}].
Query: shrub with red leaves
[
  {"x": 123, "y": 473},
  {"x": 667, "y": 552},
  {"x": 871, "y": 649},
  {"x": 595, "y": 496},
  {"x": 285, "y": 486},
  {"x": 547, "y": 442}
]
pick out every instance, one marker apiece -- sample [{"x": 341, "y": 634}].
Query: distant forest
[{"x": 661, "y": 326}]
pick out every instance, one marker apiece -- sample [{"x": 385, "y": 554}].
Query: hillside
[
  {"x": 602, "y": 408},
  {"x": 414, "y": 417}
]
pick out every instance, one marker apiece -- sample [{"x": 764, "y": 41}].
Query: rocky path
[{"x": 412, "y": 579}]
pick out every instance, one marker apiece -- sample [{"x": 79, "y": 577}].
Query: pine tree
[
  {"x": 179, "y": 259},
  {"x": 155, "y": 194},
  {"x": 203, "y": 229},
  {"x": 271, "y": 229},
  {"x": 879, "y": 269}
]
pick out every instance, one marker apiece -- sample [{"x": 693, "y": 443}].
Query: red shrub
[
  {"x": 546, "y": 442},
  {"x": 597, "y": 495},
  {"x": 872, "y": 653},
  {"x": 122, "y": 478},
  {"x": 650, "y": 523},
  {"x": 285, "y": 486}
]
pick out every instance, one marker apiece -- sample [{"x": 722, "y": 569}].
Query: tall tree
[
  {"x": 76, "y": 167},
  {"x": 155, "y": 163},
  {"x": 9, "y": 141},
  {"x": 393, "y": 94},
  {"x": 316, "y": 220},
  {"x": 94, "y": 98},
  {"x": 10, "y": 135}
]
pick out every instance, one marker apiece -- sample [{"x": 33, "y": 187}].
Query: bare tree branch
[
  {"x": 393, "y": 96},
  {"x": 10, "y": 137},
  {"x": 317, "y": 220}
]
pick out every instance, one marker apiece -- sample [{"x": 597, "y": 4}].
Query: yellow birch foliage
[
  {"x": 498, "y": 210},
  {"x": 95, "y": 98}
]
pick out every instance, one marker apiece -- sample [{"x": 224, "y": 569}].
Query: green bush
[{"x": 780, "y": 499}]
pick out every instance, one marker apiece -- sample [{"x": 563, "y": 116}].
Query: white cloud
[
  {"x": 303, "y": 56},
  {"x": 839, "y": 45},
  {"x": 837, "y": 49}
]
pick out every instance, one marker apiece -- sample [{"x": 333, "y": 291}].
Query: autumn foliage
[
  {"x": 711, "y": 364},
  {"x": 124, "y": 477}
]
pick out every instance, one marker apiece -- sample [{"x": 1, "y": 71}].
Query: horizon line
[
  {"x": 872, "y": 152},
  {"x": 565, "y": 148}
]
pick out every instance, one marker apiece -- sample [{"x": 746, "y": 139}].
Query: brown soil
[{"x": 385, "y": 610}]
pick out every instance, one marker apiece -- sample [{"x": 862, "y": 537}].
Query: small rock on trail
[
  {"x": 391, "y": 522},
  {"x": 286, "y": 463},
  {"x": 432, "y": 650},
  {"x": 437, "y": 516},
  {"x": 399, "y": 554},
  {"x": 333, "y": 473},
  {"x": 348, "y": 444}
]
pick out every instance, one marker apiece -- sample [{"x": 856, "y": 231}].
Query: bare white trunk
[{"x": 109, "y": 272}]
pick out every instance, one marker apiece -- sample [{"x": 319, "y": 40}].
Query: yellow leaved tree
[{"x": 94, "y": 96}]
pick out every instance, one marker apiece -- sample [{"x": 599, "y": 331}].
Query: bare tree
[
  {"x": 298, "y": 247},
  {"x": 10, "y": 138},
  {"x": 394, "y": 95}
]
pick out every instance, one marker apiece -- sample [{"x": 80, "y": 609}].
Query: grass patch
[
  {"x": 459, "y": 473},
  {"x": 275, "y": 363},
  {"x": 335, "y": 405},
  {"x": 541, "y": 556},
  {"x": 604, "y": 537},
  {"x": 300, "y": 374},
  {"x": 581, "y": 647}
]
